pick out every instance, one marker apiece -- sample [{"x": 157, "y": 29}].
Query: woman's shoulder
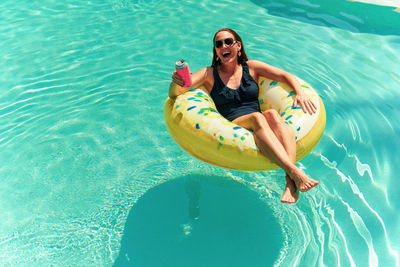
[
  {"x": 260, "y": 66},
  {"x": 208, "y": 71},
  {"x": 255, "y": 63},
  {"x": 255, "y": 67},
  {"x": 204, "y": 77}
]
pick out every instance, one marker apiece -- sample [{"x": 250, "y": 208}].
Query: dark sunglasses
[{"x": 227, "y": 41}]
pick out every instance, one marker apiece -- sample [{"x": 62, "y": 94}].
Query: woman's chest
[{"x": 232, "y": 81}]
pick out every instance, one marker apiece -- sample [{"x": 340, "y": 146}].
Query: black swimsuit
[{"x": 233, "y": 103}]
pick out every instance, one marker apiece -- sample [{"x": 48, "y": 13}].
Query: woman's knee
[
  {"x": 272, "y": 116},
  {"x": 276, "y": 122},
  {"x": 258, "y": 120}
]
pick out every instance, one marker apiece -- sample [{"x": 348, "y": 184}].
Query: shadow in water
[
  {"x": 199, "y": 220},
  {"x": 352, "y": 16}
]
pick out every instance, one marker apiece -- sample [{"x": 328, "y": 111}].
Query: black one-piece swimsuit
[{"x": 233, "y": 103}]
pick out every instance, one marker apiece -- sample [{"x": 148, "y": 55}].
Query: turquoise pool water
[{"x": 89, "y": 175}]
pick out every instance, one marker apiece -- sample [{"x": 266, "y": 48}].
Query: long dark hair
[{"x": 241, "y": 58}]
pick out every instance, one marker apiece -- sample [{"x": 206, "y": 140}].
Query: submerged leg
[{"x": 271, "y": 147}]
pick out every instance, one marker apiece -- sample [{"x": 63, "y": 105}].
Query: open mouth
[{"x": 226, "y": 54}]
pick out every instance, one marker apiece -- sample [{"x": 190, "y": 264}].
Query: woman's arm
[
  {"x": 270, "y": 72},
  {"x": 202, "y": 77}
]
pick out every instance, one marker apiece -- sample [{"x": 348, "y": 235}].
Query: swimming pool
[{"x": 90, "y": 175}]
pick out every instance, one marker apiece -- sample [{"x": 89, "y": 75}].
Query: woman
[{"x": 231, "y": 69}]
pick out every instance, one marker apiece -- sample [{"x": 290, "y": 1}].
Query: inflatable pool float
[{"x": 194, "y": 122}]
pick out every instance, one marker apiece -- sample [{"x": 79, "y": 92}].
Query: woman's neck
[{"x": 229, "y": 68}]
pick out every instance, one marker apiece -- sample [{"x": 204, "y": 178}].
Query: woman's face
[{"x": 226, "y": 47}]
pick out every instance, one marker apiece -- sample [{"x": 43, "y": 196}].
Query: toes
[
  {"x": 290, "y": 201},
  {"x": 308, "y": 186}
]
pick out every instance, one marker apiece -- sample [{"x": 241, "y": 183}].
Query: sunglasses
[{"x": 227, "y": 41}]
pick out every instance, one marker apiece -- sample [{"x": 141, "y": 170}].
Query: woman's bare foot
[
  {"x": 302, "y": 181},
  {"x": 290, "y": 194}
]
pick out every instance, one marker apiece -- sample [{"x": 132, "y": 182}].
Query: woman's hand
[
  {"x": 305, "y": 103},
  {"x": 201, "y": 78},
  {"x": 176, "y": 87},
  {"x": 177, "y": 79}
]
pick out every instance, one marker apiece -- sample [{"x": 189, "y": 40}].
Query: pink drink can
[{"x": 182, "y": 68}]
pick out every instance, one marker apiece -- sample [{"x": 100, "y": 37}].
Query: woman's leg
[
  {"x": 271, "y": 147},
  {"x": 286, "y": 136}
]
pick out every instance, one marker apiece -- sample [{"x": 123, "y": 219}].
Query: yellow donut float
[{"x": 195, "y": 124}]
